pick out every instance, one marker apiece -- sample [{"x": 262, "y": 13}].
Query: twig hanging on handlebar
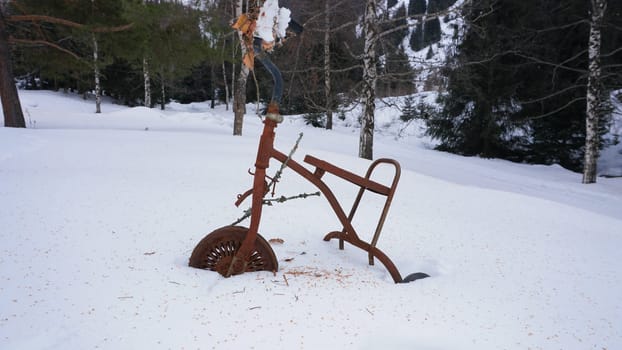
[
  {"x": 284, "y": 199},
  {"x": 272, "y": 184},
  {"x": 277, "y": 175},
  {"x": 269, "y": 201}
]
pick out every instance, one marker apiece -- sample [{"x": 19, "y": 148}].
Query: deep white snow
[{"x": 99, "y": 215}]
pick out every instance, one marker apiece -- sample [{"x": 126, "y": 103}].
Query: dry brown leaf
[{"x": 276, "y": 241}]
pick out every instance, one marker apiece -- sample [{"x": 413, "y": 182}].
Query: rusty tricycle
[{"x": 233, "y": 250}]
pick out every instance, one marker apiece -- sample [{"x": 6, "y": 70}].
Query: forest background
[{"x": 518, "y": 80}]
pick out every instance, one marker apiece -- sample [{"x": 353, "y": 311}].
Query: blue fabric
[{"x": 277, "y": 90}]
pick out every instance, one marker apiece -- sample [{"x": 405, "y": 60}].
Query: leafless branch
[
  {"x": 44, "y": 43},
  {"x": 619, "y": 49},
  {"x": 283, "y": 199},
  {"x": 319, "y": 14},
  {"x": 568, "y": 104},
  {"x": 67, "y": 23},
  {"x": 556, "y": 93},
  {"x": 320, "y": 69},
  {"x": 426, "y": 17}
]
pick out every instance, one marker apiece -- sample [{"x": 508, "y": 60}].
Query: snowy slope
[{"x": 99, "y": 214}]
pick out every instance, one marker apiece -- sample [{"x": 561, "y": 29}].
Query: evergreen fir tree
[
  {"x": 417, "y": 7},
  {"x": 477, "y": 109},
  {"x": 511, "y": 94},
  {"x": 395, "y": 39},
  {"x": 444, "y": 4},
  {"x": 397, "y": 75},
  {"x": 416, "y": 38},
  {"x": 409, "y": 111},
  {"x": 434, "y": 6},
  {"x": 430, "y": 53},
  {"x": 431, "y": 31}
]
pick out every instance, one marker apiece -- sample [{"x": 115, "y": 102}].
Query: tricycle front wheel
[{"x": 216, "y": 251}]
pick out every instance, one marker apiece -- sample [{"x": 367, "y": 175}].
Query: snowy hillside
[
  {"x": 99, "y": 215},
  {"x": 427, "y": 61}
]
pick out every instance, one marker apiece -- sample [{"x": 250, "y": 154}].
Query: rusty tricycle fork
[{"x": 259, "y": 190}]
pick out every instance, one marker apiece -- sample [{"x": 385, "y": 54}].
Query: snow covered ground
[{"x": 99, "y": 215}]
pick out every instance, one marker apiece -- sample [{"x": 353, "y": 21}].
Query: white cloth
[{"x": 273, "y": 21}]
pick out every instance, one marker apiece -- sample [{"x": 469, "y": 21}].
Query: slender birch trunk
[
  {"x": 594, "y": 93},
  {"x": 96, "y": 71},
  {"x": 233, "y": 82},
  {"x": 147, "y": 80},
  {"x": 239, "y": 95},
  {"x": 370, "y": 79},
  {"x": 224, "y": 75},
  {"x": 233, "y": 71},
  {"x": 212, "y": 73},
  {"x": 239, "y": 98},
  {"x": 327, "y": 75},
  {"x": 162, "y": 92}
]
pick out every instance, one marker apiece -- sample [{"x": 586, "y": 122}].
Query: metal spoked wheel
[{"x": 216, "y": 251}]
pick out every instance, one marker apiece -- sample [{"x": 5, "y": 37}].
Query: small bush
[
  {"x": 420, "y": 110},
  {"x": 315, "y": 119}
]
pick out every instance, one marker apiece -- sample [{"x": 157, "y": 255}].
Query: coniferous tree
[
  {"x": 394, "y": 40},
  {"x": 435, "y": 6},
  {"x": 443, "y": 4},
  {"x": 72, "y": 27},
  {"x": 91, "y": 39},
  {"x": 512, "y": 94},
  {"x": 168, "y": 36},
  {"x": 396, "y": 76},
  {"x": 416, "y": 38},
  {"x": 417, "y": 7},
  {"x": 409, "y": 110},
  {"x": 427, "y": 31},
  {"x": 431, "y": 31},
  {"x": 122, "y": 81}
]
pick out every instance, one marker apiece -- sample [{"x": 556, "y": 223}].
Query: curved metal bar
[
  {"x": 349, "y": 234},
  {"x": 262, "y": 56},
  {"x": 373, "y": 251},
  {"x": 387, "y": 204}
]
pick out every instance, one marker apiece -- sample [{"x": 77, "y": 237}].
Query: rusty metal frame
[{"x": 266, "y": 151}]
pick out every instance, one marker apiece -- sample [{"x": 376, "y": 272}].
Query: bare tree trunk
[
  {"x": 594, "y": 92},
  {"x": 224, "y": 75},
  {"x": 147, "y": 79},
  {"x": 96, "y": 71},
  {"x": 370, "y": 79},
  {"x": 13, "y": 115},
  {"x": 233, "y": 76},
  {"x": 239, "y": 100},
  {"x": 232, "y": 81},
  {"x": 327, "y": 75},
  {"x": 162, "y": 92},
  {"x": 239, "y": 95}
]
